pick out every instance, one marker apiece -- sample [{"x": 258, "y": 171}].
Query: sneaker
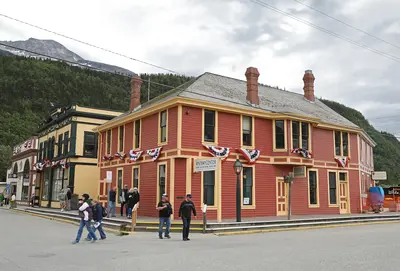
[
  {"x": 75, "y": 242},
  {"x": 167, "y": 236},
  {"x": 87, "y": 239}
]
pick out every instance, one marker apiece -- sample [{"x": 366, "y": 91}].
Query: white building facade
[{"x": 21, "y": 177}]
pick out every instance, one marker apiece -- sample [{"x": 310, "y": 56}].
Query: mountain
[
  {"x": 29, "y": 86},
  {"x": 56, "y": 50},
  {"x": 387, "y": 151}
]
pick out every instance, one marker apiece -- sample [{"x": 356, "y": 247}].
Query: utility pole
[{"x": 148, "y": 89}]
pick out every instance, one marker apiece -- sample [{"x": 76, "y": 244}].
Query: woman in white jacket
[{"x": 86, "y": 214}]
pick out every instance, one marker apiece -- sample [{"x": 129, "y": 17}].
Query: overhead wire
[
  {"x": 347, "y": 24},
  {"x": 89, "y": 44},
  {"x": 329, "y": 32}
]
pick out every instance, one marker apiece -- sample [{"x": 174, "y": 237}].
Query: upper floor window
[
  {"x": 341, "y": 143},
  {"x": 66, "y": 143},
  {"x": 90, "y": 144},
  {"x": 52, "y": 142},
  {"x": 280, "y": 134},
  {"x": 40, "y": 155},
  {"x": 247, "y": 130},
  {"x": 137, "y": 134},
  {"x": 163, "y": 126},
  {"x": 121, "y": 138},
  {"x": 300, "y": 135},
  {"x": 108, "y": 142},
  {"x": 45, "y": 144},
  {"x": 60, "y": 145},
  {"x": 209, "y": 126}
]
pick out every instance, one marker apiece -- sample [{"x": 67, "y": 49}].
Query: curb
[
  {"x": 302, "y": 228},
  {"x": 67, "y": 221}
]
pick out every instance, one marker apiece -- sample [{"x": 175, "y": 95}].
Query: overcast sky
[{"x": 227, "y": 36}]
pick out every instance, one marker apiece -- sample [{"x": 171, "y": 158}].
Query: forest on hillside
[{"x": 29, "y": 87}]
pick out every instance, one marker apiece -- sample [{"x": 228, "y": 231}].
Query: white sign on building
[
  {"x": 379, "y": 175},
  {"x": 109, "y": 177},
  {"x": 205, "y": 164}
]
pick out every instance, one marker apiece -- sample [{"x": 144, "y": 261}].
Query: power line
[
  {"x": 347, "y": 24},
  {"x": 89, "y": 44},
  {"x": 81, "y": 65},
  {"x": 385, "y": 117},
  {"x": 261, "y": 3}
]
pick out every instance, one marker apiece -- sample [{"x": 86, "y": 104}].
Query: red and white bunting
[
  {"x": 64, "y": 164},
  {"x": 342, "y": 161},
  {"x": 304, "y": 152},
  {"x": 120, "y": 155},
  {"x": 250, "y": 155},
  {"x": 134, "y": 155},
  {"x": 39, "y": 166},
  {"x": 108, "y": 157},
  {"x": 55, "y": 163},
  {"x": 47, "y": 162},
  {"x": 154, "y": 153},
  {"x": 217, "y": 151}
]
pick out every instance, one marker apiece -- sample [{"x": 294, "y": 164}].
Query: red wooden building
[{"x": 163, "y": 146}]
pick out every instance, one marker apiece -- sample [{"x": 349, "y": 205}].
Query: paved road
[{"x": 32, "y": 243}]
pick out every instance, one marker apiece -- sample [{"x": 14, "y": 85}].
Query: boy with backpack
[
  {"x": 86, "y": 215},
  {"x": 98, "y": 213}
]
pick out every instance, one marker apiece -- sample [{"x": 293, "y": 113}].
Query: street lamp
[
  {"x": 289, "y": 179},
  {"x": 237, "y": 166}
]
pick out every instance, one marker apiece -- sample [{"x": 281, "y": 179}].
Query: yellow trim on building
[
  {"x": 133, "y": 176},
  {"x": 123, "y": 139},
  {"x": 341, "y": 143},
  {"x": 253, "y": 131},
  {"x": 309, "y": 147},
  {"x": 337, "y": 188},
  {"x": 179, "y": 132},
  {"x": 134, "y": 134},
  {"x": 158, "y": 179},
  {"x": 172, "y": 185},
  {"x": 215, "y": 142},
  {"x": 308, "y": 188},
  {"x": 274, "y": 149},
  {"x": 188, "y": 175},
  {"x": 160, "y": 143}
]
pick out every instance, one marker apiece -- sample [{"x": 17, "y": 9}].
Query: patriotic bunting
[
  {"x": 304, "y": 152},
  {"x": 108, "y": 158},
  {"x": 120, "y": 155},
  {"x": 55, "y": 163},
  {"x": 64, "y": 164},
  {"x": 47, "y": 162},
  {"x": 134, "y": 155},
  {"x": 219, "y": 152},
  {"x": 154, "y": 153},
  {"x": 28, "y": 144},
  {"x": 250, "y": 155},
  {"x": 39, "y": 166},
  {"x": 342, "y": 161}
]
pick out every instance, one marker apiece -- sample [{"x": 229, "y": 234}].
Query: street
[{"x": 33, "y": 243}]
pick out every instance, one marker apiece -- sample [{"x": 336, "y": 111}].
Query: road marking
[
  {"x": 302, "y": 228},
  {"x": 68, "y": 221}
]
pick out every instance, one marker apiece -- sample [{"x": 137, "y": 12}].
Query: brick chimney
[
  {"x": 309, "y": 79},
  {"x": 252, "y": 75},
  {"x": 136, "y": 83}
]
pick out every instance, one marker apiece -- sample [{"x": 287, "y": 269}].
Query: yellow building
[{"x": 67, "y": 153}]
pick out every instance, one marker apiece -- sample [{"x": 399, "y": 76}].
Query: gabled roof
[{"x": 229, "y": 91}]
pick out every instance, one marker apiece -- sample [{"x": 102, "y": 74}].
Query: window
[
  {"x": 119, "y": 183},
  {"x": 40, "y": 156},
  {"x": 247, "y": 130},
  {"x": 45, "y": 150},
  {"x": 209, "y": 187},
  {"x": 280, "y": 134},
  {"x": 209, "y": 126},
  {"x": 66, "y": 141},
  {"x": 300, "y": 135},
  {"x": 121, "y": 139},
  {"x": 108, "y": 142},
  {"x": 136, "y": 177},
  {"x": 163, "y": 126},
  {"x": 90, "y": 145},
  {"x": 52, "y": 142},
  {"x": 247, "y": 186},
  {"x": 341, "y": 143},
  {"x": 60, "y": 145},
  {"x": 342, "y": 176},
  {"x": 137, "y": 134},
  {"x": 161, "y": 180},
  {"x": 295, "y": 134},
  {"x": 313, "y": 187},
  {"x": 332, "y": 188}
]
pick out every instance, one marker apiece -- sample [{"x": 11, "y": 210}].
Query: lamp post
[
  {"x": 289, "y": 180},
  {"x": 237, "y": 166}
]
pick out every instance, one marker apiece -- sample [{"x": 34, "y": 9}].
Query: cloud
[{"x": 227, "y": 36}]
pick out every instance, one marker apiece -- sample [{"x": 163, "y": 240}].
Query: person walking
[
  {"x": 164, "y": 208},
  {"x": 69, "y": 196},
  {"x": 86, "y": 215},
  {"x": 98, "y": 219},
  {"x": 111, "y": 202},
  {"x": 185, "y": 212},
  {"x": 123, "y": 196}
]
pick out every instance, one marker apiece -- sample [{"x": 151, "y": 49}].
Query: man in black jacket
[
  {"x": 123, "y": 197},
  {"x": 185, "y": 212}
]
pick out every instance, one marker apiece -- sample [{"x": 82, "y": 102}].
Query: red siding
[
  {"x": 191, "y": 128},
  {"x": 263, "y": 135},
  {"x": 180, "y": 184},
  {"x": 114, "y": 143},
  {"x": 322, "y": 144},
  {"x": 229, "y": 130},
  {"x": 128, "y": 138},
  {"x": 354, "y": 186},
  {"x": 172, "y": 128},
  {"x": 149, "y": 132},
  {"x": 353, "y": 149}
]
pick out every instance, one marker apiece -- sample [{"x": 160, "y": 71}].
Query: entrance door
[
  {"x": 343, "y": 198},
  {"x": 281, "y": 197}
]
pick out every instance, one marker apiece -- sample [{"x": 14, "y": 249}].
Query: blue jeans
[
  {"x": 89, "y": 229},
  {"x": 101, "y": 231},
  {"x": 111, "y": 209},
  {"x": 129, "y": 211},
  {"x": 186, "y": 227},
  {"x": 164, "y": 220}
]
